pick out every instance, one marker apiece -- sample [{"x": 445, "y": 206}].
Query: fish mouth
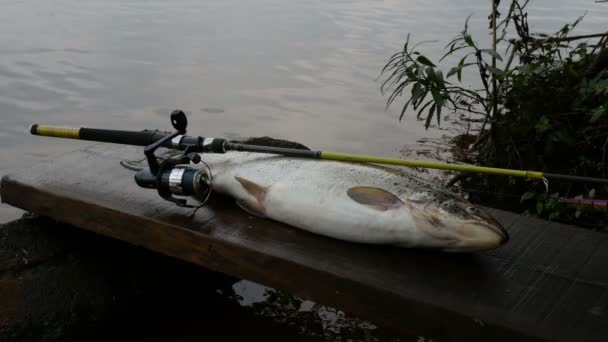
[
  {"x": 488, "y": 236},
  {"x": 471, "y": 235},
  {"x": 500, "y": 231}
]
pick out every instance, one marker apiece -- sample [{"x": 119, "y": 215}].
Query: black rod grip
[{"x": 143, "y": 138}]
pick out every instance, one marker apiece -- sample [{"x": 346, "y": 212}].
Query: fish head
[{"x": 455, "y": 224}]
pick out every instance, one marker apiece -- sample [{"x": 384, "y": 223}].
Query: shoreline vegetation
[{"x": 541, "y": 104}]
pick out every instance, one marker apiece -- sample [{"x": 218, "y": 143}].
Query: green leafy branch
[{"x": 430, "y": 91}]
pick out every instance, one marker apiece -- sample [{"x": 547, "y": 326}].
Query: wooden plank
[{"x": 524, "y": 290}]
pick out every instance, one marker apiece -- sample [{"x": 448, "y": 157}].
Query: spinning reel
[{"x": 173, "y": 176}]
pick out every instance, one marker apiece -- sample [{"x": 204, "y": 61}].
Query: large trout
[{"x": 354, "y": 202}]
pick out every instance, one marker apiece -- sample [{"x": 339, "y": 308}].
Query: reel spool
[{"x": 173, "y": 176}]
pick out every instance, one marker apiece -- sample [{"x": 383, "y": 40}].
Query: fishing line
[
  {"x": 129, "y": 164},
  {"x": 208, "y": 194},
  {"x": 133, "y": 165}
]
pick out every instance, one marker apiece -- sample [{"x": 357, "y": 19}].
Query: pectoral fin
[
  {"x": 253, "y": 210},
  {"x": 256, "y": 206},
  {"x": 376, "y": 198}
]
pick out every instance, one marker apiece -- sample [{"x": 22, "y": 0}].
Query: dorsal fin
[{"x": 376, "y": 198}]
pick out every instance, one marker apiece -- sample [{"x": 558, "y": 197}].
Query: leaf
[
  {"x": 527, "y": 196},
  {"x": 423, "y": 107},
  {"x": 452, "y": 72},
  {"x": 391, "y": 62},
  {"x": 430, "y": 72},
  {"x": 492, "y": 53},
  {"x": 420, "y": 73},
  {"x": 396, "y": 92},
  {"x": 425, "y": 61},
  {"x": 421, "y": 98},
  {"x": 404, "y": 109},
  {"x": 597, "y": 114},
  {"x": 451, "y": 52},
  {"x": 416, "y": 92},
  {"x": 439, "y": 101},
  {"x": 439, "y": 78},
  {"x": 495, "y": 71},
  {"x": 460, "y": 66},
  {"x": 429, "y": 116},
  {"x": 438, "y": 114},
  {"x": 469, "y": 40},
  {"x": 524, "y": 68},
  {"x": 539, "y": 207},
  {"x": 553, "y": 215},
  {"x": 542, "y": 125}
]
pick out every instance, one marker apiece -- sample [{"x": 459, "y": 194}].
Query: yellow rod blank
[{"x": 430, "y": 165}]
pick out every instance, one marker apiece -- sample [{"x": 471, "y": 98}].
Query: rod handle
[{"x": 142, "y": 138}]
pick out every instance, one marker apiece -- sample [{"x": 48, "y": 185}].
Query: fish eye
[
  {"x": 448, "y": 205},
  {"x": 472, "y": 210}
]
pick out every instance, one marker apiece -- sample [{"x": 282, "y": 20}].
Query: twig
[
  {"x": 604, "y": 158},
  {"x": 494, "y": 86},
  {"x": 470, "y": 110},
  {"x": 600, "y": 44},
  {"x": 510, "y": 60},
  {"x": 599, "y": 62},
  {"x": 457, "y": 179},
  {"x": 569, "y": 39},
  {"x": 480, "y": 138},
  {"x": 484, "y": 82}
]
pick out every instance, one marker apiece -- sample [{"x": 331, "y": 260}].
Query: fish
[{"x": 361, "y": 203}]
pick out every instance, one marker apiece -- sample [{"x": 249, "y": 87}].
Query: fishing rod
[{"x": 172, "y": 177}]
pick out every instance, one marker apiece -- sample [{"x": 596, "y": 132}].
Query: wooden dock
[{"x": 548, "y": 283}]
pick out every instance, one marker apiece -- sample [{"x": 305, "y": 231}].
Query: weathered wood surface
[{"x": 548, "y": 283}]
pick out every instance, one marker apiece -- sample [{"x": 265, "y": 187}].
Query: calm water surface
[{"x": 301, "y": 70}]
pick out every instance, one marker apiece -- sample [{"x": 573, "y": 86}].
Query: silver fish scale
[{"x": 267, "y": 169}]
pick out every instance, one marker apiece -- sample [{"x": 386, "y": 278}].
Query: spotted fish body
[{"x": 353, "y": 202}]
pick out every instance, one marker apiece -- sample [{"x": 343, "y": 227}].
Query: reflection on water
[
  {"x": 307, "y": 318},
  {"x": 301, "y": 70}
]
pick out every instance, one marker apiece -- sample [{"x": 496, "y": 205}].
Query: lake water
[{"x": 300, "y": 70}]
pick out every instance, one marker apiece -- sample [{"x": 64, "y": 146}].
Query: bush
[{"x": 542, "y": 105}]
